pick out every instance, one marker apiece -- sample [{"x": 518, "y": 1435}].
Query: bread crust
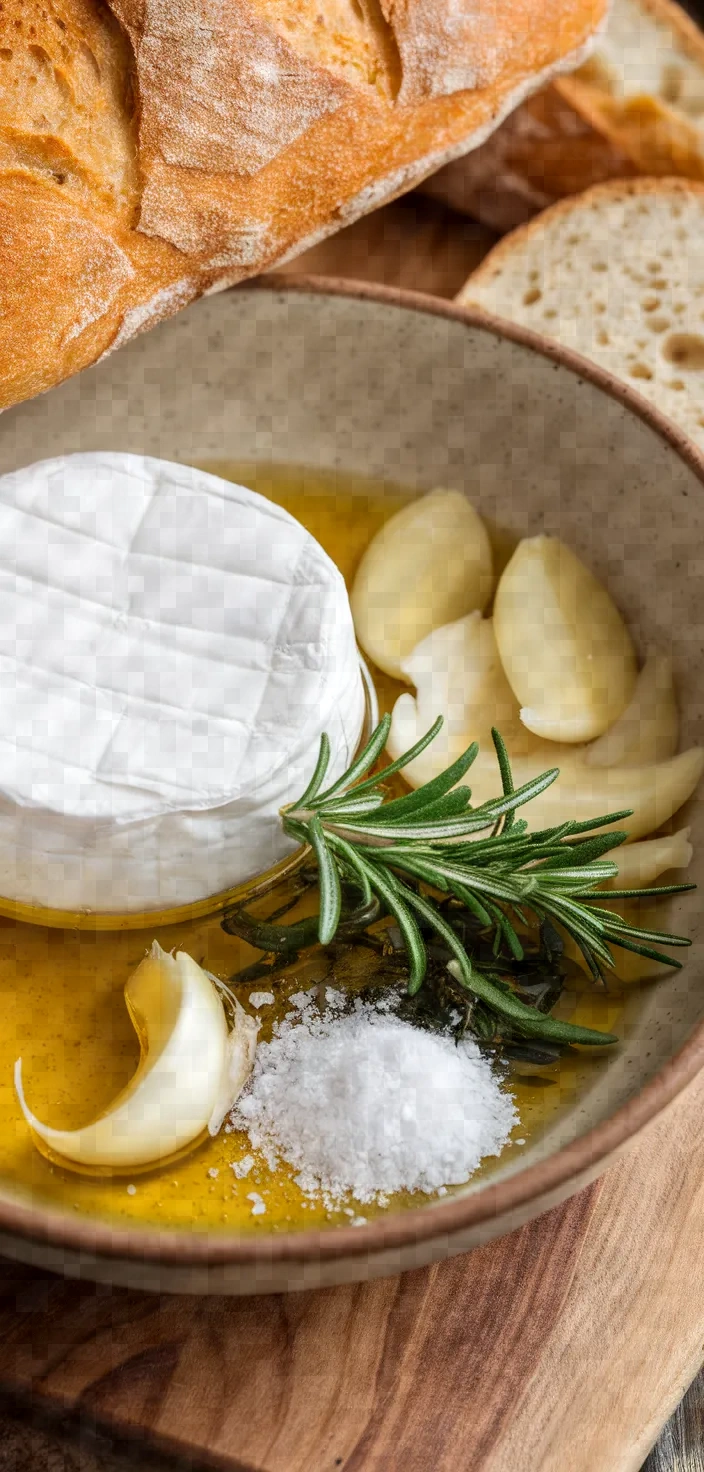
[
  {"x": 613, "y": 189},
  {"x": 614, "y": 275},
  {"x": 66, "y": 107},
  {"x": 546, "y": 149},
  {"x": 687, "y": 31},
  {"x": 574, "y": 135},
  {"x": 222, "y": 93},
  {"x": 152, "y": 150}
]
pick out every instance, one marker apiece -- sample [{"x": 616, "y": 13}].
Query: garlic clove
[
  {"x": 407, "y": 727},
  {"x": 457, "y": 673},
  {"x": 653, "y": 792},
  {"x": 648, "y": 730},
  {"x": 640, "y": 864},
  {"x": 429, "y": 564},
  {"x": 566, "y": 651},
  {"x": 404, "y": 731},
  {"x": 185, "y": 1056}
]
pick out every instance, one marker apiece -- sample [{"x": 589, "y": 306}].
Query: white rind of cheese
[{"x": 171, "y": 648}]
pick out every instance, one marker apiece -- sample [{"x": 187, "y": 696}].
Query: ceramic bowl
[{"x": 419, "y": 393}]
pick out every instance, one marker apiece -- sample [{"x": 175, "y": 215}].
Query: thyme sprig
[{"x": 396, "y": 850}]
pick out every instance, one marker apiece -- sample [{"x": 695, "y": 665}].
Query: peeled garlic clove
[
  {"x": 648, "y": 730},
  {"x": 408, "y": 725},
  {"x": 640, "y": 864},
  {"x": 403, "y": 734},
  {"x": 458, "y": 674},
  {"x": 653, "y": 792},
  {"x": 182, "y": 1029},
  {"x": 566, "y": 650},
  {"x": 429, "y": 565}
]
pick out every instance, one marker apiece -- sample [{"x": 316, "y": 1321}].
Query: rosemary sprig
[{"x": 397, "y": 849}]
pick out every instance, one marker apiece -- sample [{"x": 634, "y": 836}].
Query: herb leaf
[
  {"x": 330, "y": 892},
  {"x": 392, "y": 847}
]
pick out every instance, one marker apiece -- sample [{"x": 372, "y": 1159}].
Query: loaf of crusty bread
[
  {"x": 152, "y": 150},
  {"x": 617, "y": 274},
  {"x": 636, "y": 107}
]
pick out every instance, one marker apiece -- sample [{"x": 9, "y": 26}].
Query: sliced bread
[
  {"x": 636, "y": 107},
  {"x": 617, "y": 274}
]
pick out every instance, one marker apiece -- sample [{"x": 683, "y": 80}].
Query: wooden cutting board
[{"x": 564, "y": 1346}]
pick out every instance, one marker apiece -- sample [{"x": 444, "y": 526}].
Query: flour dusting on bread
[{"x": 151, "y": 150}]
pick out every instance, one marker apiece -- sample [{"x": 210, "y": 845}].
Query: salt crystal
[
  {"x": 259, "y": 1206},
  {"x": 364, "y": 1104},
  {"x": 301, "y": 1000},
  {"x": 213, "y": 1173},
  {"x": 336, "y": 1000},
  {"x": 243, "y": 1167},
  {"x": 131, "y": 1190},
  {"x": 261, "y": 999}
]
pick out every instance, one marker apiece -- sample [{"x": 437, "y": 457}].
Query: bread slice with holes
[
  {"x": 617, "y": 274},
  {"x": 635, "y": 107}
]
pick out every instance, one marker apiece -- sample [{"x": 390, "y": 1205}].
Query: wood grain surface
[
  {"x": 564, "y": 1345},
  {"x": 414, "y": 243},
  {"x": 562, "y": 1348},
  {"x": 395, "y": 1373}
]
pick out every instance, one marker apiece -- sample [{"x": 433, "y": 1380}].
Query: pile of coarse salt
[{"x": 363, "y": 1104}]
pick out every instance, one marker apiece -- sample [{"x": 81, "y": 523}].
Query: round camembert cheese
[{"x": 172, "y": 646}]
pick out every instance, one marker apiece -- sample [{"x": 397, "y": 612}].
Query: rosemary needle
[{"x": 432, "y": 839}]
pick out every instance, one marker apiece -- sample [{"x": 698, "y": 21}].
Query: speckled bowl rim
[{"x": 576, "y": 1161}]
